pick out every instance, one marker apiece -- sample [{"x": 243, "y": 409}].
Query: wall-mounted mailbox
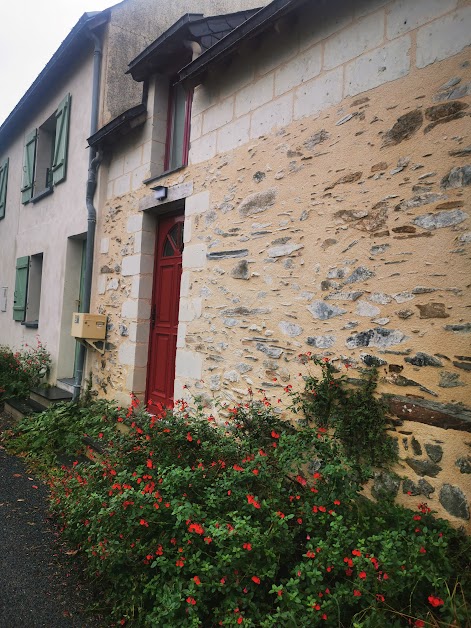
[{"x": 89, "y": 326}]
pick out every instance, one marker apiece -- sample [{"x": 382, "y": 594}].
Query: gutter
[
  {"x": 119, "y": 126},
  {"x": 93, "y": 165}
]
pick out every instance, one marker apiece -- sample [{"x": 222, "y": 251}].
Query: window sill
[
  {"x": 163, "y": 175},
  {"x": 41, "y": 195},
  {"x": 31, "y": 324}
]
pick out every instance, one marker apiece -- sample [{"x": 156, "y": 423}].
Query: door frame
[{"x": 177, "y": 209}]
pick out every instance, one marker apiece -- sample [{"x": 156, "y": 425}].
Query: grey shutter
[
  {"x": 21, "y": 287},
  {"x": 59, "y": 161},
  {"x": 28, "y": 166},
  {"x": 3, "y": 186}
]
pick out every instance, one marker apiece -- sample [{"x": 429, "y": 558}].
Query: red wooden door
[{"x": 164, "y": 313}]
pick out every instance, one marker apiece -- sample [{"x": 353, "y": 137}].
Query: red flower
[
  {"x": 435, "y": 601},
  {"x": 422, "y": 550},
  {"x": 240, "y": 620},
  {"x": 356, "y": 593},
  {"x": 355, "y": 552},
  {"x": 251, "y": 500},
  {"x": 380, "y": 597},
  {"x": 143, "y": 522},
  {"x": 191, "y": 600},
  {"x": 189, "y": 438},
  {"x": 196, "y": 527},
  {"x": 196, "y": 580},
  {"x": 256, "y": 579},
  {"x": 362, "y": 575},
  {"x": 337, "y": 503},
  {"x": 280, "y": 514},
  {"x": 149, "y": 464},
  {"x": 236, "y": 467},
  {"x": 274, "y": 434},
  {"x": 419, "y": 623},
  {"x": 301, "y": 480},
  {"x": 247, "y": 547}
]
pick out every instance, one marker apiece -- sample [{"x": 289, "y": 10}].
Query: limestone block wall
[
  {"x": 329, "y": 53},
  {"x": 337, "y": 222}
]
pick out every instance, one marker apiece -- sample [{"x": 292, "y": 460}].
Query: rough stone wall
[{"x": 343, "y": 231}]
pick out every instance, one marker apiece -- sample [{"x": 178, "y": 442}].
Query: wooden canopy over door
[{"x": 164, "y": 313}]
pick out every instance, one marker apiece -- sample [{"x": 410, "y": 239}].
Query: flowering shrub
[
  {"x": 23, "y": 370},
  {"x": 187, "y": 522},
  {"x": 63, "y": 428},
  {"x": 329, "y": 400}
]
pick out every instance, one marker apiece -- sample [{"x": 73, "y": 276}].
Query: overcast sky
[{"x": 30, "y": 33}]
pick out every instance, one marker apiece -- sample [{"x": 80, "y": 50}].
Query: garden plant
[
  {"x": 186, "y": 520},
  {"x": 22, "y": 370}
]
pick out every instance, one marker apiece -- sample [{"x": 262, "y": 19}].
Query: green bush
[
  {"x": 22, "y": 370},
  {"x": 330, "y": 400},
  {"x": 63, "y": 429},
  {"x": 185, "y": 522}
]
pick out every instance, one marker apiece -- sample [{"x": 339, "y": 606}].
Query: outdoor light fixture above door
[{"x": 160, "y": 192}]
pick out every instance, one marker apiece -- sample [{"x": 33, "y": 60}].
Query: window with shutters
[
  {"x": 45, "y": 155},
  {"x": 3, "y": 187},
  {"x": 27, "y": 297}
]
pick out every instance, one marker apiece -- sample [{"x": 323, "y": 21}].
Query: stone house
[
  {"x": 314, "y": 196},
  {"x": 45, "y": 185}
]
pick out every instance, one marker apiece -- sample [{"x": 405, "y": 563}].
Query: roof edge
[
  {"x": 187, "y": 18},
  {"x": 122, "y": 124},
  {"x": 256, "y": 24},
  {"x": 90, "y": 19}
]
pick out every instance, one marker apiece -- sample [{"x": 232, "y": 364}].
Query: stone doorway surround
[{"x": 133, "y": 353}]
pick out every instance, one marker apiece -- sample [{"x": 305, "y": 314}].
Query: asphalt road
[{"x": 40, "y": 584}]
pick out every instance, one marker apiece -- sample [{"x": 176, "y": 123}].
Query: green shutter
[
  {"x": 21, "y": 286},
  {"x": 3, "y": 187},
  {"x": 28, "y": 166},
  {"x": 59, "y": 161}
]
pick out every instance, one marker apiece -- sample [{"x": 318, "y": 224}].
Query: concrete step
[
  {"x": 19, "y": 408},
  {"x": 48, "y": 396},
  {"x": 66, "y": 383}
]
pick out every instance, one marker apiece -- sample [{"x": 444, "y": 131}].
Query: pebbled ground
[{"x": 40, "y": 584}]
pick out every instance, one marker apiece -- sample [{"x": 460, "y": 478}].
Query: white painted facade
[{"x": 54, "y": 226}]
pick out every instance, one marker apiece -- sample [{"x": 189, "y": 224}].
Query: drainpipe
[{"x": 93, "y": 164}]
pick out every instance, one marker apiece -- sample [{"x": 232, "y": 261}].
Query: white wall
[{"x": 45, "y": 226}]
